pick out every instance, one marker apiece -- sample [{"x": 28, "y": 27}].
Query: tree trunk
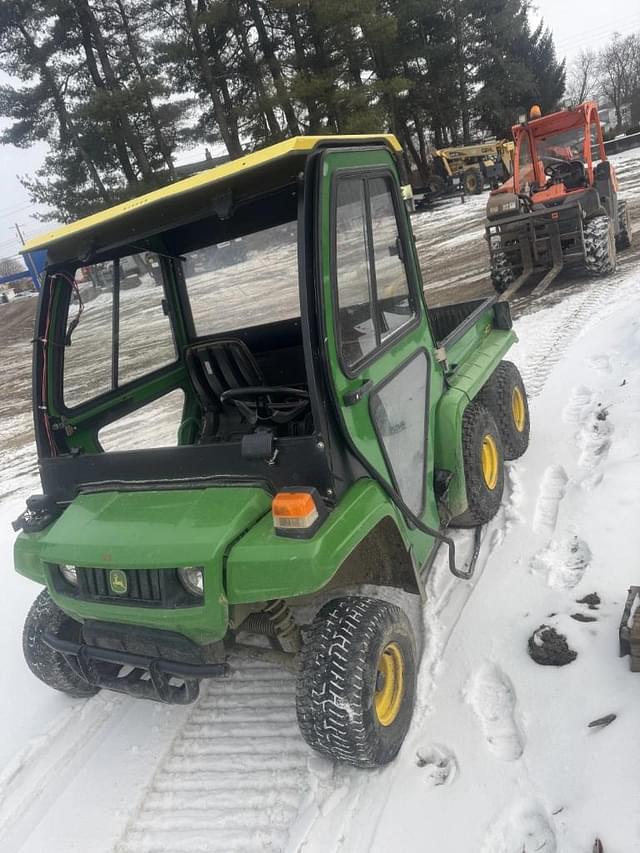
[
  {"x": 99, "y": 83},
  {"x": 132, "y": 44},
  {"x": 462, "y": 75},
  {"x": 256, "y": 80},
  {"x": 132, "y": 139},
  {"x": 66, "y": 122},
  {"x": 311, "y": 104},
  {"x": 273, "y": 64},
  {"x": 221, "y": 75},
  {"x": 232, "y": 143}
]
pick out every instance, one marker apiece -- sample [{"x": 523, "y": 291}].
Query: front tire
[
  {"x": 625, "y": 231},
  {"x": 483, "y": 457},
  {"x": 599, "y": 246},
  {"x": 357, "y": 685},
  {"x": 43, "y": 661},
  {"x": 504, "y": 395},
  {"x": 503, "y": 274},
  {"x": 473, "y": 182}
]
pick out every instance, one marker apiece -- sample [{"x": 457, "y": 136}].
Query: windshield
[
  {"x": 565, "y": 146},
  {"x": 249, "y": 281}
]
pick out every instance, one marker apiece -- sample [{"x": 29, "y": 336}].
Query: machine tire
[
  {"x": 503, "y": 274},
  {"x": 483, "y": 457},
  {"x": 504, "y": 395},
  {"x": 357, "y": 684},
  {"x": 45, "y": 663},
  {"x": 473, "y": 182},
  {"x": 625, "y": 231},
  {"x": 599, "y": 246},
  {"x": 635, "y": 642}
]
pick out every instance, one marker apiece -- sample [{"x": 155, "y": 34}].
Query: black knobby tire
[
  {"x": 635, "y": 642},
  {"x": 45, "y": 663},
  {"x": 599, "y": 246},
  {"x": 473, "y": 182},
  {"x": 506, "y": 398},
  {"x": 336, "y": 698},
  {"x": 625, "y": 233},
  {"x": 483, "y": 498},
  {"x": 503, "y": 273}
]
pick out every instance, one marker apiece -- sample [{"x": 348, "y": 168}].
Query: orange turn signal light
[{"x": 294, "y": 510}]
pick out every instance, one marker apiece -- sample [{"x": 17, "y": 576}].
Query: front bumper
[{"x": 155, "y": 657}]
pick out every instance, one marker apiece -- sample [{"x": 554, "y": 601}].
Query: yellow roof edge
[{"x": 200, "y": 179}]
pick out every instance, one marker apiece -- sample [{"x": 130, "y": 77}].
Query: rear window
[{"x": 249, "y": 281}]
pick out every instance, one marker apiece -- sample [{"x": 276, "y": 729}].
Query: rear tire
[
  {"x": 504, "y": 395},
  {"x": 357, "y": 685},
  {"x": 599, "y": 246},
  {"x": 625, "y": 231},
  {"x": 483, "y": 458},
  {"x": 473, "y": 182},
  {"x": 45, "y": 663}
]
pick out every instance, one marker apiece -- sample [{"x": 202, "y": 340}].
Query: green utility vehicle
[{"x": 251, "y": 446}]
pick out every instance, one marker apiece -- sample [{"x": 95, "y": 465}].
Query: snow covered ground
[{"x": 500, "y": 757}]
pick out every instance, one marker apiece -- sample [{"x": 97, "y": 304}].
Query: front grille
[{"x": 142, "y": 585}]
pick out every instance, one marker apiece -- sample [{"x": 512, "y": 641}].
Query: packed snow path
[{"x": 235, "y": 775}]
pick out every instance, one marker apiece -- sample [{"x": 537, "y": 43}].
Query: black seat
[{"x": 215, "y": 367}]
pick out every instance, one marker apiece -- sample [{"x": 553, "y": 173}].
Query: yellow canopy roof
[{"x": 299, "y": 145}]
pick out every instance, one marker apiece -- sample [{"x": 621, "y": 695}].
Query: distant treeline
[{"x": 114, "y": 87}]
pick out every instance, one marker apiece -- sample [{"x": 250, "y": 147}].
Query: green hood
[{"x": 159, "y": 529}]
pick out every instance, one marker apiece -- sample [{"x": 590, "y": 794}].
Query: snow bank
[{"x": 531, "y": 775}]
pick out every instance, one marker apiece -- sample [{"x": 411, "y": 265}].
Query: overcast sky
[{"x": 576, "y": 24}]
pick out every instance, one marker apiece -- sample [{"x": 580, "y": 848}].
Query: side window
[
  {"x": 392, "y": 286},
  {"x": 372, "y": 287},
  {"x": 356, "y": 330},
  {"x": 399, "y": 414},
  {"x": 144, "y": 339}
]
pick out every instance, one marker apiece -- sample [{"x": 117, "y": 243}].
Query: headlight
[
  {"x": 192, "y": 579},
  {"x": 69, "y": 573}
]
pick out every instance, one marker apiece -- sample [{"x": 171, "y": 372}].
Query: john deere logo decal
[{"x": 118, "y": 581}]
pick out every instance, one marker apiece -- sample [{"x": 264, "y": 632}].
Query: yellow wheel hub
[
  {"x": 517, "y": 409},
  {"x": 490, "y": 461},
  {"x": 389, "y": 684}
]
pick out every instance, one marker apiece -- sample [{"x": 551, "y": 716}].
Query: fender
[{"x": 261, "y": 566}]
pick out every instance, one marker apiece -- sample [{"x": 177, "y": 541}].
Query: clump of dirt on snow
[{"x": 549, "y": 648}]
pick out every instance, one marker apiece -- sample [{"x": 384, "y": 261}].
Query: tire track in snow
[
  {"x": 235, "y": 776},
  {"x": 568, "y": 320},
  {"x": 32, "y": 781}
]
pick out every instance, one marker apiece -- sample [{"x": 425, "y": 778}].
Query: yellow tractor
[{"x": 475, "y": 165}]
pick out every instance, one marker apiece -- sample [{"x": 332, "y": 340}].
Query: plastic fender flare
[
  {"x": 262, "y": 566},
  {"x": 448, "y": 452},
  {"x": 27, "y": 559}
]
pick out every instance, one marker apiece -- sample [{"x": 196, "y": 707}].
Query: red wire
[{"x": 45, "y": 347}]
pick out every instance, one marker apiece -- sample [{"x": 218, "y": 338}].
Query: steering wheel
[
  {"x": 256, "y": 402},
  {"x": 559, "y": 170}
]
